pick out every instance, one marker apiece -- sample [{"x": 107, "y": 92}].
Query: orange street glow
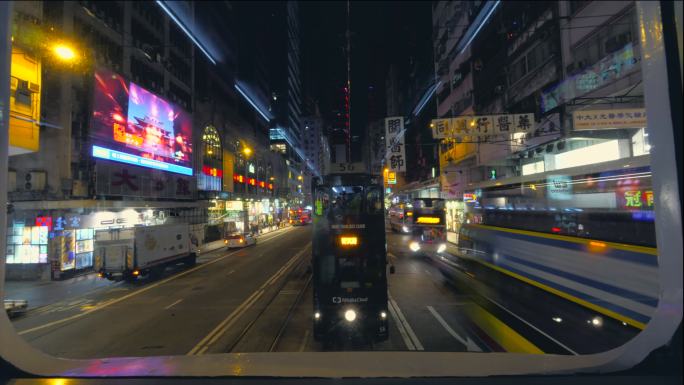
[
  {"x": 349, "y": 241},
  {"x": 428, "y": 220}
]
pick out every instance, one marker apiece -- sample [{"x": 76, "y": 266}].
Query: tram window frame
[{"x": 19, "y": 354}]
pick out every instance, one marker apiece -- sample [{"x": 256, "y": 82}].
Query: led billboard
[{"x": 135, "y": 126}]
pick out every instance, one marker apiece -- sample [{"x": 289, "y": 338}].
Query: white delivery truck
[{"x": 129, "y": 253}]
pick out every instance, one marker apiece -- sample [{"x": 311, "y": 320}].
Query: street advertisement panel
[
  {"x": 134, "y": 126},
  {"x": 117, "y": 179},
  {"x": 394, "y": 139}
]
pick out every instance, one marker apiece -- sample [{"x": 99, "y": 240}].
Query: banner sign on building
[
  {"x": 483, "y": 126},
  {"x": 394, "y": 139},
  {"x": 391, "y": 177},
  {"x": 115, "y": 179},
  {"x": 607, "y": 70},
  {"x": 608, "y": 119}
]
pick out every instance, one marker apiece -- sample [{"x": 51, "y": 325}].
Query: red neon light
[
  {"x": 44, "y": 221},
  {"x": 262, "y": 184},
  {"x": 252, "y": 181},
  {"x": 270, "y": 186},
  {"x": 212, "y": 171},
  {"x": 239, "y": 178},
  {"x": 556, "y": 229}
]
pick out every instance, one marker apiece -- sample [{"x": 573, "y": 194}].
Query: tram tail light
[{"x": 349, "y": 241}]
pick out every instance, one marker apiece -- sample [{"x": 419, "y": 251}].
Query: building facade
[
  {"x": 126, "y": 122},
  {"x": 543, "y": 58}
]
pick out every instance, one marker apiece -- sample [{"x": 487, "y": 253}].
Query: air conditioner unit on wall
[{"x": 35, "y": 180}]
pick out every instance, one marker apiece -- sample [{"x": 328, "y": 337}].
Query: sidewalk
[{"x": 41, "y": 293}]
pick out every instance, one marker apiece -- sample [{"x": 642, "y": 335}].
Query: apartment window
[{"x": 530, "y": 61}]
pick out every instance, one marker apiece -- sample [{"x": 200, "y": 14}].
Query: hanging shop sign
[
  {"x": 394, "y": 139},
  {"x": 608, "y": 119},
  {"x": 391, "y": 177},
  {"x": 483, "y": 126}
]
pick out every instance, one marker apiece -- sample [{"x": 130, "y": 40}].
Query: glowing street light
[
  {"x": 247, "y": 151},
  {"x": 64, "y": 52}
]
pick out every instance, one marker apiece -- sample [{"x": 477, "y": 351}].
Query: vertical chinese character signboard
[{"x": 394, "y": 139}]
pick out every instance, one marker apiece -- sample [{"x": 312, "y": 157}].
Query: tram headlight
[
  {"x": 441, "y": 248},
  {"x": 350, "y": 315},
  {"x": 414, "y": 246},
  {"x": 317, "y": 315},
  {"x": 383, "y": 315}
]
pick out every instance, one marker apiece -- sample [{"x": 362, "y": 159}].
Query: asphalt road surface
[{"x": 260, "y": 299}]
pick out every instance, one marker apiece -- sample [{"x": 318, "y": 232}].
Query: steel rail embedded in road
[{"x": 205, "y": 343}]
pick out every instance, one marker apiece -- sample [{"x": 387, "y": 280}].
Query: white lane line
[
  {"x": 407, "y": 341},
  {"x": 407, "y": 327},
  {"x": 204, "y": 344},
  {"x": 302, "y": 345},
  {"x": 129, "y": 295},
  {"x": 530, "y": 325},
  {"x": 231, "y": 272},
  {"x": 175, "y": 303},
  {"x": 467, "y": 342}
]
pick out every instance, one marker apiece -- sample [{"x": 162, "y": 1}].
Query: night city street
[{"x": 366, "y": 192}]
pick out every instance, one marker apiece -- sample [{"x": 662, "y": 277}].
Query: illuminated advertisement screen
[{"x": 135, "y": 126}]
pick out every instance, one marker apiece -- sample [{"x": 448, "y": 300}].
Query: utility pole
[{"x": 5, "y": 60}]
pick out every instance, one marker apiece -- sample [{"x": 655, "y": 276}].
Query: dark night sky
[{"x": 379, "y": 31}]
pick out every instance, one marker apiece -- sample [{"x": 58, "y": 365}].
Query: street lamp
[{"x": 64, "y": 52}]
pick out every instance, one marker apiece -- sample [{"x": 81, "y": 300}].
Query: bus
[
  {"x": 300, "y": 217},
  {"x": 573, "y": 230},
  {"x": 428, "y": 232},
  {"x": 349, "y": 258}
]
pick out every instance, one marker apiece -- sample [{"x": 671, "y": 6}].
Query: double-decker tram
[
  {"x": 349, "y": 258},
  {"x": 585, "y": 233},
  {"x": 428, "y": 233}
]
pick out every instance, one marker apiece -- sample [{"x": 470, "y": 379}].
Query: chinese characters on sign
[
  {"x": 483, "y": 127},
  {"x": 122, "y": 180},
  {"x": 394, "y": 139},
  {"x": 609, "y": 119},
  {"x": 637, "y": 199}
]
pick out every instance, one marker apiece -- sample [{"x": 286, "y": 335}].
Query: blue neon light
[
  {"x": 188, "y": 33},
  {"x": 118, "y": 156},
  {"x": 249, "y": 100}
]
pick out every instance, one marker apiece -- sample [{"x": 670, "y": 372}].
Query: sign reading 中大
[
  {"x": 394, "y": 142},
  {"x": 608, "y": 119},
  {"x": 483, "y": 126}
]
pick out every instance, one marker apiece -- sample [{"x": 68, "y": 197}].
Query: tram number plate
[{"x": 347, "y": 168}]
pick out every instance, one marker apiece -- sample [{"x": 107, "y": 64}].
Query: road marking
[
  {"x": 470, "y": 345},
  {"x": 410, "y": 338},
  {"x": 402, "y": 331},
  {"x": 204, "y": 344},
  {"x": 530, "y": 325},
  {"x": 140, "y": 291},
  {"x": 302, "y": 345},
  {"x": 231, "y": 272},
  {"x": 170, "y": 306}
]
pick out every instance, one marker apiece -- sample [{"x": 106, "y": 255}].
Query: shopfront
[{"x": 455, "y": 215}]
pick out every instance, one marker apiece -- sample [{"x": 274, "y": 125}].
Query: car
[{"x": 238, "y": 240}]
